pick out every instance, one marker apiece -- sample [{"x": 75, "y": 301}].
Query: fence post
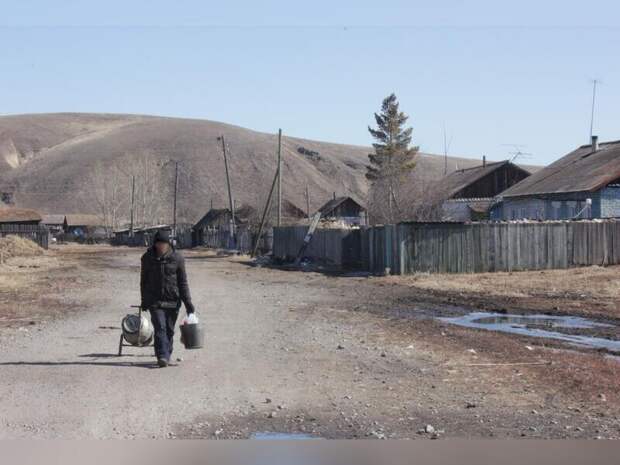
[{"x": 401, "y": 249}]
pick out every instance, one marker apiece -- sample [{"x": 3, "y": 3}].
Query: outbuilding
[
  {"x": 345, "y": 210},
  {"x": 19, "y": 216},
  {"x": 468, "y": 194}
]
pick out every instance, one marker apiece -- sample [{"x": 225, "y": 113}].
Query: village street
[{"x": 286, "y": 352}]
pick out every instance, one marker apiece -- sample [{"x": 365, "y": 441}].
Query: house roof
[
  {"x": 453, "y": 183},
  {"x": 289, "y": 209},
  {"x": 18, "y": 215},
  {"x": 242, "y": 215},
  {"x": 53, "y": 219},
  {"x": 330, "y": 206},
  {"x": 78, "y": 219},
  {"x": 579, "y": 171}
]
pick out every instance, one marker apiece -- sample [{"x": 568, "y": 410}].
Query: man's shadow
[{"x": 125, "y": 364}]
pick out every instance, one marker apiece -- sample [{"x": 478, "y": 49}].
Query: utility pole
[
  {"x": 230, "y": 198},
  {"x": 279, "y": 222},
  {"x": 174, "y": 207},
  {"x": 133, "y": 189},
  {"x": 265, "y": 211},
  {"x": 307, "y": 201}
]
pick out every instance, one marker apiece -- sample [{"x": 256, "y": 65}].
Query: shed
[
  {"x": 79, "y": 225},
  {"x": 344, "y": 209},
  {"x": 19, "y": 216},
  {"x": 583, "y": 184},
  {"x": 219, "y": 218},
  {"x": 468, "y": 194},
  {"x": 55, "y": 223}
]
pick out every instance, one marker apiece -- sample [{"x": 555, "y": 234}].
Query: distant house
[
  {"x": 80, "y": 226},
  {"x": 55, "y": 223},
  {"x": 344, "y": 209},
  {"x": 19, "y": 216},
  {"x": 219, "y": 218},
  {"x": 468, "y": 194},
  {"x": 214, "y": 228},
  {"x": 583, "y": 184}
]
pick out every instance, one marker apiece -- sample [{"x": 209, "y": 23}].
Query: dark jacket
[{"x": 163, "y": 281}]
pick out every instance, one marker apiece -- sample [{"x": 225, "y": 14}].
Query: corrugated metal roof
[
  {"x": 580, "y": 171},
  {"x": 17, "y": 215}
]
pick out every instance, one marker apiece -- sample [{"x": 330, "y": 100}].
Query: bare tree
[
  {"x": 106, "y": 191},
  {"x": 152, "y": 189}
]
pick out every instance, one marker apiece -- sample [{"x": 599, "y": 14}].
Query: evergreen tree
[{"x": 393, "y": 158}]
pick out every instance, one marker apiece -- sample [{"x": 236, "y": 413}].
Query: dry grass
[
  {"x": 584, "y": 282},
  {"x": 15, "y": 246}
]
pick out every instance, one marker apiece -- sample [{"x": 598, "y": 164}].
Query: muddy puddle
[
  {"x": 543, "y": 326},
  {"x": 274, "y": 436}
]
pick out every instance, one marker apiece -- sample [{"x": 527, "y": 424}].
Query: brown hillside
[{"x": 45, "y": 160}]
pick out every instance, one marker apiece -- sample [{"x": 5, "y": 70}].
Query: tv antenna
[
  {"x": 595, "y": 83},
  {"x": 517, "y": 152},
  {"x": 446, "y": 148}
]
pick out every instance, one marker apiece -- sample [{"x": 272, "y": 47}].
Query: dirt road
[{"x": 289, "y": 352}]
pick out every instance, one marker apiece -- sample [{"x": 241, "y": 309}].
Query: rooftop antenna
[
  {"x": 595, "y": 82},
  {"x": 517, "y": 152},
  {"x": 446, "y": 148}
]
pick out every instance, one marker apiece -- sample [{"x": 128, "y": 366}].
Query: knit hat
[{"x": 162, "y": 236}]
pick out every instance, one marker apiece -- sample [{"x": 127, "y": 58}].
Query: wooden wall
[{"x": 35, "y": 232}]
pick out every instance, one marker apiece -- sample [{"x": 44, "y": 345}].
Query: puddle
[
  {"x": 273, "y": 436},
  {"x": 537, "y": 326}
]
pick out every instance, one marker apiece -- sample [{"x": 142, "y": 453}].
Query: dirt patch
[
  {"x": 590, "y": 291},
  {"x": 35, "y": 288}
]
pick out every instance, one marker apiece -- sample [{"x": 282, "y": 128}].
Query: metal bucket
[
  {"x": 192, "y": 336},
  {"x": 137, "y": 330}
]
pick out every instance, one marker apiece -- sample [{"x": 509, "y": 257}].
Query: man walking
[{"x": 163, "y": 286}]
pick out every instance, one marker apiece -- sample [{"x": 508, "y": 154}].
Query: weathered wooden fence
[
  {"x": 220, "y": 239},
  {"x": 459, "y": 247},
  {"x": 36, "y": 232},
  {"x": 481, "y": 247},
  {"x": 339, "y": 247}
]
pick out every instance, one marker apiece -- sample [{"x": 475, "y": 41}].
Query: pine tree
[{"x": 393, "y": 158}]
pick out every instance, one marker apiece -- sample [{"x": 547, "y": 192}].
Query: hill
[{"x": 59, "y": 163}]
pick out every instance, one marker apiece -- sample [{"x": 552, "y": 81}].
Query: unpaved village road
[{"x": 335, "y": 357}]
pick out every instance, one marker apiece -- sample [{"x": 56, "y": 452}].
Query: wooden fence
[
  {"x": 339, "y": 247},
  {"x": 220, "y": 239},
  {"x": 460, "y": 247},
  {"x": 483, "y": 247},
  {"x": 36, "y": 232}
]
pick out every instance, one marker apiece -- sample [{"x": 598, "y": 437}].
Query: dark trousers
[{"x": 163, "y": 325}]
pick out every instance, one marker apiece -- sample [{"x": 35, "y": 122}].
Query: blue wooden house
[{"x": 584, "y": 184}]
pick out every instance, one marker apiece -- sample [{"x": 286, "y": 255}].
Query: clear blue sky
[{"x": 495, "y": 72}]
